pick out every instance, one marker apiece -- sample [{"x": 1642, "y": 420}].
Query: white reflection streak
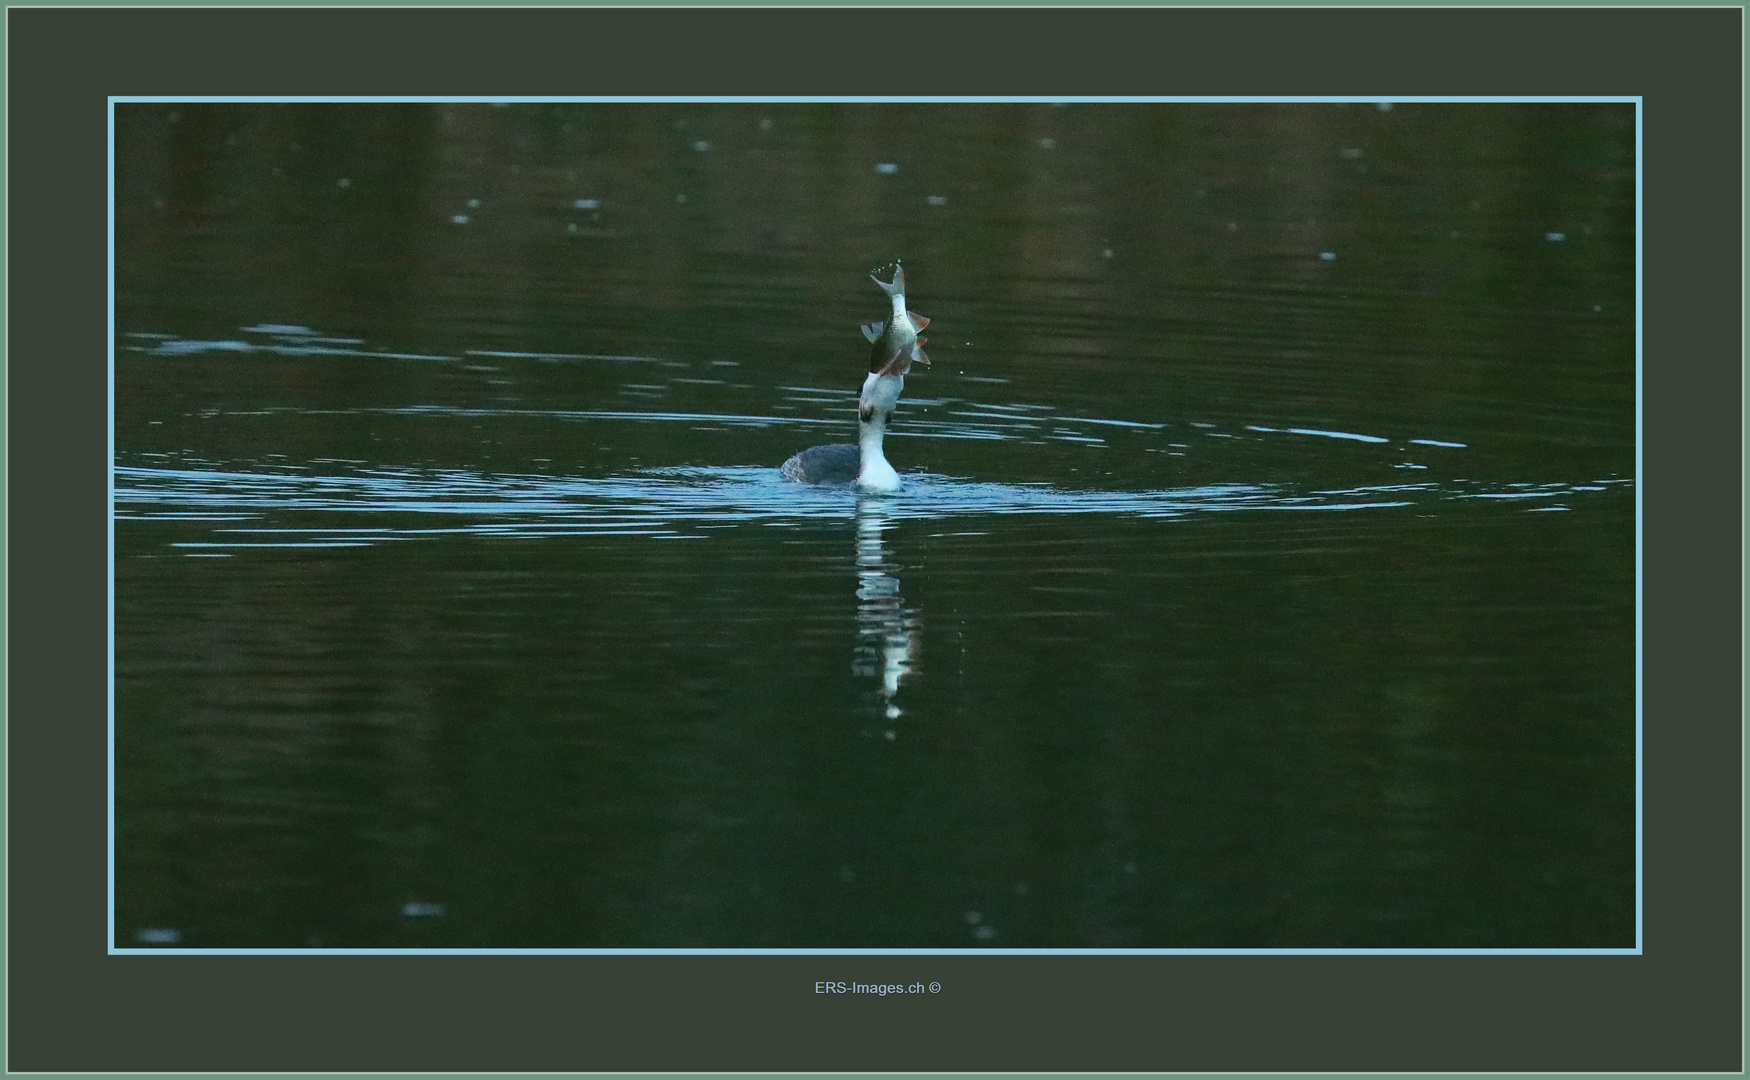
[{"x": 887, "y": 631}]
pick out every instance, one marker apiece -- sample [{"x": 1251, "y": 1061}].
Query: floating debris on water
[
  {"x": 159, "y": 935},
  {"x": 1327, "y": 256},
  {"x": 1555, "y": 237},
  {"x": 936, "y": 200},
  {"x": 887, "y": 168},
  {"x": 458, "y": 219},
  {"x": 587, "y": 204}
]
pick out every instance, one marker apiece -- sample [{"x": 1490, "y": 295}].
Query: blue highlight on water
[{"x": 246, "y": 508}]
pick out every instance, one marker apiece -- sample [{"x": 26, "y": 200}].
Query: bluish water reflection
[{"x": 244, "y": 506}]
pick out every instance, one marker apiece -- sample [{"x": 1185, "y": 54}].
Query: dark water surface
[{"x": 1264, "y": 574}]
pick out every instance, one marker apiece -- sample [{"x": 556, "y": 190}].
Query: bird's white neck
[
  {"x": 875, "y": 474},
  {"x": 880, "y": 393}
]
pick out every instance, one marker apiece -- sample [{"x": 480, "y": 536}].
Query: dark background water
[{"x": 1264, "y": 576}]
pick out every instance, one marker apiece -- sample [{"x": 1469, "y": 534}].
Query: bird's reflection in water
[{"x": 887, "y": 630}]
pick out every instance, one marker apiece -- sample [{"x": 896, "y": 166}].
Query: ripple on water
[{"x": 250, "y": 508}]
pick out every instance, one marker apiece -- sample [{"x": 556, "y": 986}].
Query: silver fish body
[{"x": 895, "y": 344}]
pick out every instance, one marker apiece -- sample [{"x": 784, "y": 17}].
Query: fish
[{"x": 895, "y": 342}]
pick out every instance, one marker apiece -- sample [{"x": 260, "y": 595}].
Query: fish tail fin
[
  {"x": 872, "y": 331},
  {"x": 897, "y": 286}
]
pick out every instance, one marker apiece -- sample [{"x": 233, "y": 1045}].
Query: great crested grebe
[{"x": 896, "y": 345}]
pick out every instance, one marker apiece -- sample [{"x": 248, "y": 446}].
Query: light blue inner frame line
[
  {"x": 1640, "y": 906},
  {"x": 874, "y": 952},
  {"x": 898, "y": 99},
  {"x": 888, "y": 100},
  {"x": 109, "y": 350}
]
